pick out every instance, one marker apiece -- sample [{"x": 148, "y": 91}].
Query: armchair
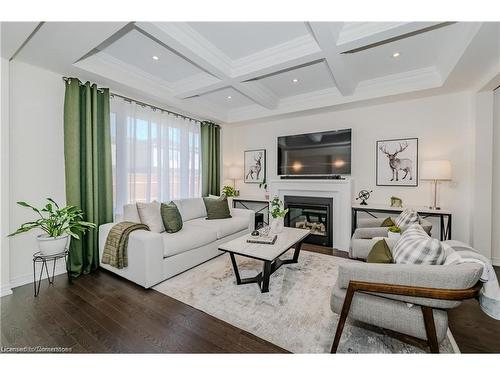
[{"x": 379, "y": 294}]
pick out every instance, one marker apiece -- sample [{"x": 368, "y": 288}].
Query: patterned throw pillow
[
  {"x": 406, "y": 218},
  {"x": 416, "y": 247}
]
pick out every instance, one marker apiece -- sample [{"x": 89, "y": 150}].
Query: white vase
[
  {"x": 52, "y": 245},
  {"x": 393, "y": 235},
  {"x": 277, "y": 225}
]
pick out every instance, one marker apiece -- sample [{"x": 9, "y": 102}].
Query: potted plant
[
  {"x": 59, "y": 225},
  {"x": 228, "y": 191},
  {"x": 263, "y": 185},
  {"x": 278, "y": 212},
  {"x": 394, "y": 232}
]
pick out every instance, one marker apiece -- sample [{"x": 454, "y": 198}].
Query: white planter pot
[
  {"x": 277, "y": 225},
  {"x": 393, "y": 235},
  {"x": 52, "y": 245}
]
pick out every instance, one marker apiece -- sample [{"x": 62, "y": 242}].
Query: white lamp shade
[
  {"x": 436, "y": 170},
  {"x": 235, "y": 173}
]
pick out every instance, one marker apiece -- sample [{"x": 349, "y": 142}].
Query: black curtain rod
[{"x": 112, "y": 94}]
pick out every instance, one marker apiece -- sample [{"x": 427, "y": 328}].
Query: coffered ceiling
[{"x": 238, "y": 71}]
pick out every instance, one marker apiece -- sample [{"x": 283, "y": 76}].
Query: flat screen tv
[{"x": 323, "y": 153}]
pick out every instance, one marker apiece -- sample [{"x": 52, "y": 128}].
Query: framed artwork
[
  {"x": 397, "y": 162},
  {"x": 255, "y": 166}
]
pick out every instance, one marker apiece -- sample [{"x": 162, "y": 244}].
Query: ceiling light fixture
[
  {"x": 156, "y": 58},
  {"x": 229, "y": 96},
  {"x": 295, "y": 80},
  {"x": 395, "y": 54}
]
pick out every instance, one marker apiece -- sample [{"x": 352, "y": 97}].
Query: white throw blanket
[{"x": 489, "y": 298}]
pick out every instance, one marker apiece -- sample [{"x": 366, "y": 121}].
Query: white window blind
[{"x": 155, "y": 155}]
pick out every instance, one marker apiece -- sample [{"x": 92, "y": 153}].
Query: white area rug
[{"x": 294, "y": 315}]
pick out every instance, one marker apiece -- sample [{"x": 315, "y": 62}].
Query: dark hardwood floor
[{"x": 104, "y": 313}]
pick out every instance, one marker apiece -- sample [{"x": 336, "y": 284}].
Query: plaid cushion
[
  {"x": 416, "y": 247},
  {"x": 407, "y": 217}
]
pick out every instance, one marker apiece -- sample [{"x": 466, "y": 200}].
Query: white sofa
[{"x": 154, "y": 257}]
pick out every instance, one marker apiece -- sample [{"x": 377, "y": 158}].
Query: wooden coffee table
[{"x": 269, "y": 254}]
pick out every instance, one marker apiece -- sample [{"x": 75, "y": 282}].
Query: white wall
[
  {"x": 483, "y": 171},
  {"x": 495, "y": 242},
  {"x": 443, "y": 125},
  {"x": 4, "y": 180},
  {"x": 36, "y": 156}
]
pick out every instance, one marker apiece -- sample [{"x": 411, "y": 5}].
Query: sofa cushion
[
  {"x": 191, "y": 236},
  {"x": 380, "y": 253},
  {"x": 151, "y": 216},
  {"x": 416, "y": 247},
  {"x": 217, "y": 208},
  {"x": 224, "y": 227},
  {"x": 130, "y": 213},
  {"x": 172, "y": 219},
  {"x": 191, "y": 208},
  {"x": 388, "y": 222}
]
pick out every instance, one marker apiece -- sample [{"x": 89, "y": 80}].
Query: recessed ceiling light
[
  {"x": 395, "y": 54},
  {"x": 229, "y": 96},
  {"x": 295, "y": 80},
  {"x": 156, "y": 58}
]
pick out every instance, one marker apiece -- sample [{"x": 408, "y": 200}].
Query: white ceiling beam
[
  {"x": 326, "y": 35},
  {"x": 184, "y": 41},
  {"x": 14, "y": 35},
  {"x": 367, "y": 33}
]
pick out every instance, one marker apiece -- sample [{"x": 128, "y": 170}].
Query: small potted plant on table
[
  {"x": 278, "y": 212},
  {"x": 394, "y": 232},
  {"x": 263, "y": 185},
  {"x": 59, "y": 225}
]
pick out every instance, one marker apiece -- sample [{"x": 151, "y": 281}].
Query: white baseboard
[
  {"x": 5, "y": 290},
  {"x": 28, "y": 278},
  {"x": 495, "y": 261}
]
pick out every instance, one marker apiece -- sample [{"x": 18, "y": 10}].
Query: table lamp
[
  {"x": 234, "y": 173},
  {"x": 436, "y": 171}
]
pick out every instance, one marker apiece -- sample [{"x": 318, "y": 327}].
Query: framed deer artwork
[
  {"x": 397, "y": 162},
  {"x": 255, "y": 166}
]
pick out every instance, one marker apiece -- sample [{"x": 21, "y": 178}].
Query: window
[{"x": 155, "y": 155}]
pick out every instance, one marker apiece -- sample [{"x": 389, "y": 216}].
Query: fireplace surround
[
  {"x": 313, "y": 213},
  {"x": 340, "y": 193}
]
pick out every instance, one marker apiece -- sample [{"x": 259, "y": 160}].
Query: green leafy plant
[
  {"x": 56, "y": 221},
  {"x": 229, "y": 191},
  {"x": 394, "y": 229},
  {"x": 263, "y": 185},
  {"x": 277, "y": 208}
]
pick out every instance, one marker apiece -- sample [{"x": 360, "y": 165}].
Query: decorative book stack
[{"x": 269, "y": 239}]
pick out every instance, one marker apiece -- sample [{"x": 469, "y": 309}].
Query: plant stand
[{"x": 38, "y": 257}]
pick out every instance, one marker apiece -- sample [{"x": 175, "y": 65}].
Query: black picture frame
[
  {"x": 246, "y": 169},
  {"x": 415, "y": 169}
]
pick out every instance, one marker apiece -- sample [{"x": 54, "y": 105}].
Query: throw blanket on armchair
[
  {"x": 489, "y": 299},
  {"x": 115, "y": 249}
]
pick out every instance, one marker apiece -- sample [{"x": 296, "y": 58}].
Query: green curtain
[
  {"x": 210, "y": 158},
  {"x": 87, "y": 154}
]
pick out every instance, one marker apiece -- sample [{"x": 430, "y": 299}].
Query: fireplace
[{"x": 313, "y": 213}]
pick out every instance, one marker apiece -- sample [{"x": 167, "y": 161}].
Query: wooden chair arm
[{"x": 415, "y": 291}]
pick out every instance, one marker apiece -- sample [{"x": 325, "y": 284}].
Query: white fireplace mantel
[{"x": 339, "y": 190}]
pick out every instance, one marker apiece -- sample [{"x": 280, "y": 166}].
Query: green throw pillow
[
  {"x": 388, "y": 223},
  {"x": 172, "y": 219},
  {"x": 217, "y": 208},
  {"x": 380, "y": 253}
]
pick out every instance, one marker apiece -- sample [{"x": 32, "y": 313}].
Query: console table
[
  {"x": 443, "y": 215},
  {"x": 262, "y": 204}
]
